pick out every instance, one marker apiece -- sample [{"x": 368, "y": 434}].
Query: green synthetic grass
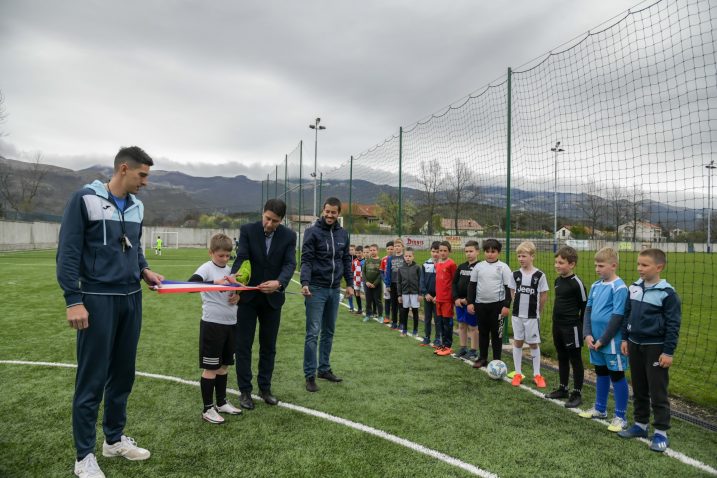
[
  {"x": 694, "y": 374},
  {"x": 390, "y": 384}
]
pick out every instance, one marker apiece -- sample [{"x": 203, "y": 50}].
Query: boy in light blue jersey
[{"x": 603, "y": 320}]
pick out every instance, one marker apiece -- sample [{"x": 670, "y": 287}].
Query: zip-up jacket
[
  {"x": 409, "y": 277},
  {"x": 90, "y": 259},
  {"x": 653, "y": 315},
  {"x": 325, "y": 256},
  {"x": 428, "y": 278}
]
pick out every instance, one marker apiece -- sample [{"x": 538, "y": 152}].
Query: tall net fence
[{"x": 607, "y": 141}]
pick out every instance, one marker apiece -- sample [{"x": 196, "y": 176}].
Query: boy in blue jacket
[{"x": 649, "y": 338}]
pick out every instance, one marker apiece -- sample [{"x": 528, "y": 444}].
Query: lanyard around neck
[{"x": 119, "y": 210}]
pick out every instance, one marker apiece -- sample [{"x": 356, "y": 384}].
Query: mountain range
[{"x": 172, "y": 196}]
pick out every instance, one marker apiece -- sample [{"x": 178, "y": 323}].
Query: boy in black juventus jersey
[
  {"x": 568, "y": 312},
  {"x": 529, "y": 288}
]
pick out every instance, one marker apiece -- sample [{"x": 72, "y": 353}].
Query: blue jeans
[{"x": 321, "y": 311}]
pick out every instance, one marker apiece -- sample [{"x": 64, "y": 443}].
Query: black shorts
[
  {"x": 216, "y": 345},
  {"x": 567, "y": 337}
]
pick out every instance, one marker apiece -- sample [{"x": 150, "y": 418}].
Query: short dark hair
[
  {"x": 277, "y": 206},
  {"x": 408, "y": 249},
  {"x": 133, "y": 156},
  {"x": 435, "y": 245},
  {"x": 471, "y": 243},
  {"x": 389, "y": 244},
  {"x": 332, "y": 201},
  {"x": 446, "y": 244},
  {"x": 568, "y": 253},
  {"x": 359, "y": 248},
  {"x": 657, "y": 255},
  {"x": 492, "y": 244},
  {"x": 373, "y": 245}
]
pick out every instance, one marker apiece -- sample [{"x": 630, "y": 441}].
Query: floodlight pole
[
  {"x": 316, "y": 129},
  {"x": 557, "y": 149},
  {"x": 710, "y": 167}
]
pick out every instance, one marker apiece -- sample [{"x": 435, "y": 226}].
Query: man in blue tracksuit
[
  {"x": 99, "y": 266},
  {"x": 325, "y": 259}
]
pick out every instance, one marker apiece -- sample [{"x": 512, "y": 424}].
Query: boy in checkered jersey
[{"x": 529, "y": 289}]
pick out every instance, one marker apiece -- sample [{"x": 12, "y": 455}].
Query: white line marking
[
  {"x": 687, "y": 460},
  {"x": 308, "y": 411},
  {"x": 669, "y": 452}
]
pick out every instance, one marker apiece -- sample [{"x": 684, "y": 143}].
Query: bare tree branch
[
  {"x": 3, "y": 114},
  {"x": 20, "y": 189},
  {"x": 462, "y": 188},
  {"x": 430, "y": 180},
  {"x": 592, "y": 206}
]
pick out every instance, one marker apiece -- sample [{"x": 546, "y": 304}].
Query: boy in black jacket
[
  {"x": 409, "y": 277},
  {"x": 467, "y": 322}
]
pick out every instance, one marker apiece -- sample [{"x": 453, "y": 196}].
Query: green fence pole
[
  {"x": 301, "y": 199},
  {"x": 267, "y": 190},
  {"x": 400, "y": 181},
  {"x": 351, "y": 182},
  {"x": 261, "y": 204},
  {"x": 276, "y": 181},
  {"x": 506, "y": 326},
  {"x": 286, "y": 183}
]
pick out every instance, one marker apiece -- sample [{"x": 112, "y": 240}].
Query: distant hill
[{"x": 171, "y": 196}]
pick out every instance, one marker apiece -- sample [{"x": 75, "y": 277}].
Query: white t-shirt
[
  {"x": 215, "y": 305},
  {"x": 491, "y": 279}
]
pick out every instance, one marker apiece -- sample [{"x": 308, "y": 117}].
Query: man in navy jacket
[
  {"x": 325, "y": 259},
  {"x": 271, "y": 250},
  {"x": 99, "y": 266}
]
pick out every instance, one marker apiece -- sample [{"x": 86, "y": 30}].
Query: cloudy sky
[{"x": 228, "y": 88}]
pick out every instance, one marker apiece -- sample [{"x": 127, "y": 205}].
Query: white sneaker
[
  {"x": 212, "y": 416},
  {"x": 617, "y": 425},
  {"x": 127, "y": 448},
  {"x": 592, "y": 413},
  {"x": 229, "y": 408},
  {"x": 88, "y": 467}
]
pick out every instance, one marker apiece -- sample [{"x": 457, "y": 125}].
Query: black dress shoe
[
  {"x": 311, "y": 385},
  {"x": 329, "y": 375},
  {"x": 268, "y": 398},
  {"x": 245, "y": 401}
]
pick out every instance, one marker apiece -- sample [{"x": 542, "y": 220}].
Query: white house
[
  {"x": 563, "y": 234},
  {"x": 644, "y": 231}
]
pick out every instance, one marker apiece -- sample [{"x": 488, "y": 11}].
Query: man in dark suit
[{"x": 271, "y": 250}]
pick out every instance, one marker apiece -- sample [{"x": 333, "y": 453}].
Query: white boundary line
[
  {"x": 307, "y": 411},
  {"x": 681, "y": 457}
]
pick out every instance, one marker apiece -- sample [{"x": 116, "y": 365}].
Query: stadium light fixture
[
  {"x": 316, "y": 129},
  {"x": 710, "y": 167},
  {"x": 556, "y": 149}
]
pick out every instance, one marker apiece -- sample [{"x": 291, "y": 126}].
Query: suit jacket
[{"x": 279, "y": 264}]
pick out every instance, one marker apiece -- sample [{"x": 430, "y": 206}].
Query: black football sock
[
  {"x": 220, "y": 386},
  {"x": 207, "y": 386}
]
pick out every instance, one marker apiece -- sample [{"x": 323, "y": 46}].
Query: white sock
[
  {"x": 642, "y": 425},
  {"x": 661, "y": 432},
  {"x": 535, "y": 353},
  {"x": 517, "y": 358}
]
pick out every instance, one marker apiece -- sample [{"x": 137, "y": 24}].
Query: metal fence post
[{"x": 400, "y": 181}]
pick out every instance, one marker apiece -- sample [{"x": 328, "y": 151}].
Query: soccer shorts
[
  {"x": 527, "y": 330},
  {"x": 409, "y": 301},
  {"x": 568, "y": 337},
  {"x": 444, "y": 309},
  {"x": 216, "y": 345},
  {"x": 466, "y": 318},
  {"x": 614, "y": 362},
  {"x": 386, "y": 293}
]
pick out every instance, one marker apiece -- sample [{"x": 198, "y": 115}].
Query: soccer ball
[{"x": 497, "y": 369}]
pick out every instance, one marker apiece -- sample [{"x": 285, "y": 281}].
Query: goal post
[{"x": 170, "y": 240}]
